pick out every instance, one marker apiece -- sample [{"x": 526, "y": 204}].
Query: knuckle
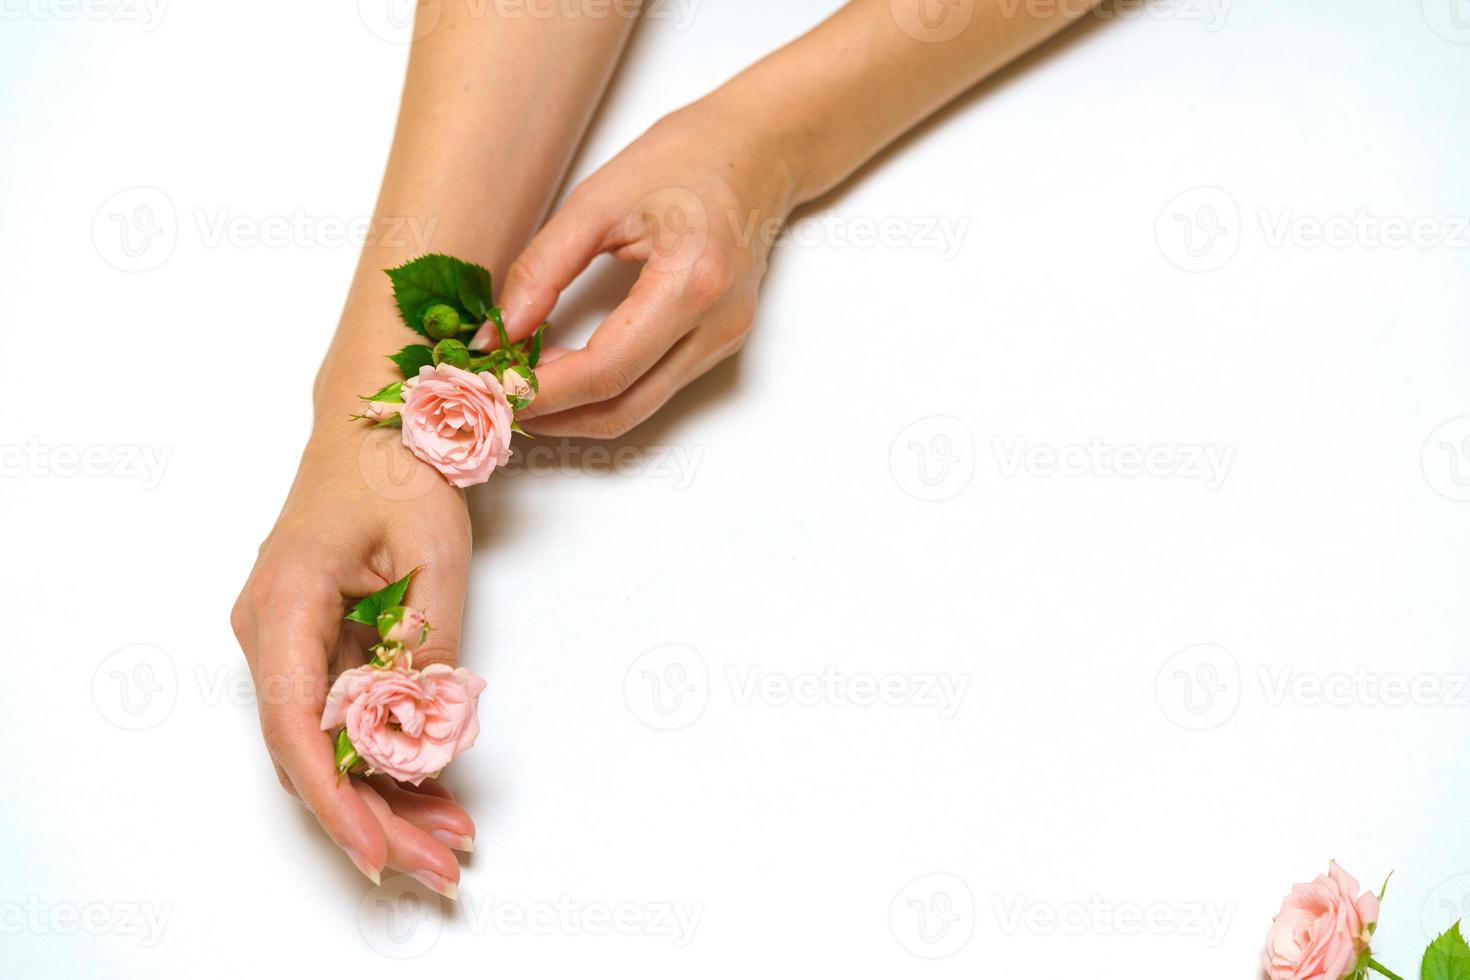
[
  {"x": 285, "y": 782},
  {"x": 611, "y": 424},
  {"x": 240, "y": 619},
  {"x": 731, "y": 335},
  {"x": 614, "y": 378},
  {"x": 435, "y": 653},
  {"x": 709, "y": 279},
  {"x": 525, "y": 271}
]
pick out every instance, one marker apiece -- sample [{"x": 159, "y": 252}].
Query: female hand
[
  {"x": 697, "y": 202},
  {"x": 361, "y": 514}
]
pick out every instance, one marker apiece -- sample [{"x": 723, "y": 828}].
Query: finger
[
  {"x": 557, "y": 255},
  {"x": 429, "y": 787},
  {"x": 690, "y": 358},
  {"x": 410, "y": 850},
  {"x": 628, "y": 343},
  {"x": 439, "y": 817},
  {"x": 438, "y": 592},
  {"x": 291, "y": 686}
]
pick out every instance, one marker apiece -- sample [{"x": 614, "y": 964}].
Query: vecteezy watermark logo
[
  {"x": 1447, "y": 903},
  {"x": 681, "y": 12},
  {"x": 933, "y": 459},
  {"x": 1099, "y": 916},
  {"x": 1362, "y": 686},
  {"x": 222, "y": 227},
  {"x": 932, "y": 21},
  {"x": 136, "y": 229},
  {"x": 1179, "y": 461},
  {"x": 568, "y": 916},
  {"x": 143, "y": 920},
  {"x": 667, "y": 687},
  {"x": 33, "y": 458},
  {"x": 399, "y": 21},
  {"x": 675, "y": 464},
  {"x": 1450, "y": 19},
  {"x": 136, "y": 687},
  {"x": 1210, "y": 13},
  {"x": 149, "y": 13},
  {"x": 675, "y": 224},
  {"x": 942, "y": 234},
  {"x": 390, "y": 472},
  {"x": 1199, "y": 229},
  {"x": 1445, "y": 459},
  {"x": 400, "y": 918},
  {"x": 1283, "y": 227},
  {"x": 835, "y": 687},
  {"x": 1198, "y": 688},
  {"x": 933, "y": 916}
]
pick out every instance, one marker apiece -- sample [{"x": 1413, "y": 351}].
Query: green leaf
[
  {"x": 392, "y": 393},
  {"x": 413, "y": 357},
  {"x": 1447, "y": 958},
  {"x": 475, "y": 292},
  {"x": 533, "y": 351},
  {"x": 433, "y": 279},
  {"x": 366, "y": 611}
]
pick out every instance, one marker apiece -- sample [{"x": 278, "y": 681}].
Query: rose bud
[
  {"x": 380, "y": 411},
  {"x": 516, "y": 385},
  {"x": 441, "y": 321},
  {"x": 403, "y": 625},
  {"x": 452, "y": 352},
  {"x": 347, "y": 756}
]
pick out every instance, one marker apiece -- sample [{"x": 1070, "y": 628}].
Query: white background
[{"x": 1089, "y": 761}]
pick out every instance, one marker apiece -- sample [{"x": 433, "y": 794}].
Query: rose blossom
[
  {"x": 1321, "y": 930},
  {"x": 406, "y": 723},
  {"x": 458, "y": 422}
]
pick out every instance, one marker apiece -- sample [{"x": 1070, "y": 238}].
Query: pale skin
[{"x": 695, "y": 201}]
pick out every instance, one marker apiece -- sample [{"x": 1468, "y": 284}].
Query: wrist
[
  {"x": 765, "y": 162},
  {"x": 790, "y": 133}
]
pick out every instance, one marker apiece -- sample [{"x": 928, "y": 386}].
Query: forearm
[
  {"x": 492, "y": 111},
  {"x": 834, "y": 97}
]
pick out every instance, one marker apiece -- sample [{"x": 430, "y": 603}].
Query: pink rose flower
[
  {"x": 458, "y": 422},
  {"x": 406, "y": 723},
  {"x": 1321, "y": 930}
]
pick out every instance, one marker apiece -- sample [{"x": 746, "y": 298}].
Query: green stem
[{"x": 1375, "y": 965}]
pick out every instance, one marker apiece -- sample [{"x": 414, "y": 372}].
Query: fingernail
[
  {"x": 437, "y": 883},
  {"x": 455, "y": 842},
  {"x": 375, "y": 875},
  {"x": 480, "y": 339}
]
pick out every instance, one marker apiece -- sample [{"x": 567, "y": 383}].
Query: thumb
[
  {"x": 438, "y": 592},
  {"x": 573, "y": 237}
]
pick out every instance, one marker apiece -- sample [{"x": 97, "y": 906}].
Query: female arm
[
  {"x": 697, "y": 199},
  {"x": 493, "y": 108}
]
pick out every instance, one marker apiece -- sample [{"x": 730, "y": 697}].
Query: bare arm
[
  {"x": 492, "y": 112},
  {"x": 877, "y": 68},
  {"x": 781, "y": 133}
]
